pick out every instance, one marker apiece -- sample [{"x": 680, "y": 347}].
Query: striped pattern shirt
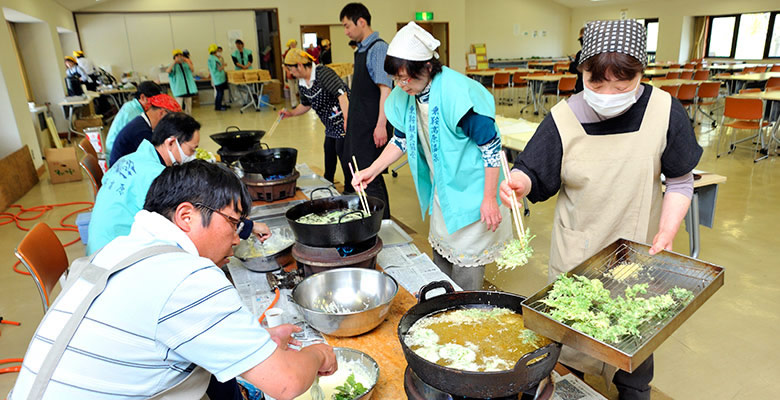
[{"x": 154, "y": 322}]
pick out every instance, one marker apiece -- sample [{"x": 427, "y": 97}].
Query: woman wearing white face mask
[{"x": 603, "y": 152}]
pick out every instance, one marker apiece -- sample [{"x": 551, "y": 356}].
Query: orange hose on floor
[
  {"x": 7, "y": 218},
  {"x": 10, "y": 369}
]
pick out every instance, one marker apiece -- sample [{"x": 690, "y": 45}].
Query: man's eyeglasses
[{"x": 238, "y": 224}]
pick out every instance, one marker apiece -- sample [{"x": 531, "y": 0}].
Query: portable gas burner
[
  {"x": 417, "y": 389},
  {"x": 317, "y": 259},
  {"x": 271, "y": 188}
]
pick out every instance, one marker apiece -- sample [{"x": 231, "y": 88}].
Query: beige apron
[{"x": 610, "y": 189}]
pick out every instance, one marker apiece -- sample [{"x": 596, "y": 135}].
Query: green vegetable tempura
[
  {"x": 585, "y": 305},
  {"x": 517, "y": 252}
]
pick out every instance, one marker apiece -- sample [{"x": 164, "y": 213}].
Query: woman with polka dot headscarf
[
  {"x": 603, "y": 152},
  {"x": 321, "y": 89}
]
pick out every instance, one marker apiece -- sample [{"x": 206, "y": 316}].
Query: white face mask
[
  {"x": 610, "y": 105},
  {"x": 184, "y": 158},
  {"x": 219, "y": 54}
]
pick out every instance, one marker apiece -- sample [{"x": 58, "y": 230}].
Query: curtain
[{"x": 700, "y": 25}]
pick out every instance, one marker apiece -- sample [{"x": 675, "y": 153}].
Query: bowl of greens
[{"x": 355, "y": 379}]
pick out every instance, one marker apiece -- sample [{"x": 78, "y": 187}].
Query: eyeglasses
[
  {"x": 238, "y": 224},
  {"x": 401, "y": 82}
]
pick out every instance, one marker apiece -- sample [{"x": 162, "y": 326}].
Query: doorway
[
  {"x": 439, "y": 30},
  {"x": 269, "y": 51}
]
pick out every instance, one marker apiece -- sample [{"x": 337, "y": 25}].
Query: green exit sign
[{"x": 423, "y": 16}]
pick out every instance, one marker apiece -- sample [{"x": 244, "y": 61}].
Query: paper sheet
[
  {"x": 416, "y": 273},
  {"x": 569, "y": 387}
]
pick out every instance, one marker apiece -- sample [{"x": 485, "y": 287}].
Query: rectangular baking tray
[
  {"x": 662, "y": 272},
  {"x": 392, "y": 234}
]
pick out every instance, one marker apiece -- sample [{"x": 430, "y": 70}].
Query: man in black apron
[{"x": 367, "y": 127}]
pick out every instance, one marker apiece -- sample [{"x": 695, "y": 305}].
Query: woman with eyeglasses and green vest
[
  {"x": 444, "y": 122},
  {"x": 180, "y": 74}
]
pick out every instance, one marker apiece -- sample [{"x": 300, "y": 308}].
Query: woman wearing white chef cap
[
  {"x": 603, "y": 152},
  {"x": 444, "y": 121}
]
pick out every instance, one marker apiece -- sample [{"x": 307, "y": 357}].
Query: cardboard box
[
  {"x": 17, "y": 176},
  {"x": 63, "y": 165},
  {"x": 274, "y": 91},
  {"x": 90, "y": 122}
]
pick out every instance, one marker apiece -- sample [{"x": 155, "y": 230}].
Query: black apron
[{"x": 361, "y": 121}]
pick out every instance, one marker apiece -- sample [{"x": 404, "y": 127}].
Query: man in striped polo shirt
[{"x": 163, "y": 316}]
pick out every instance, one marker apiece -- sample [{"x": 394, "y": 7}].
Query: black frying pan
[{"x": 237, "y": 140}]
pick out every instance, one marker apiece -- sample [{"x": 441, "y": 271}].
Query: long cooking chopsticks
[
  {"x": 273, "y": 127},
  {"x": 515, "y": 207},
  {"x": 361, "y": 191}
]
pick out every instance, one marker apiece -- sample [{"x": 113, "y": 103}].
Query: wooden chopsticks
[
  {"x": 273, "y": 127},
  {"x": 361, "y": 191},
  {"x": 516, "y": 215}
]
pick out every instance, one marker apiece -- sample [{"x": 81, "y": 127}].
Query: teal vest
[
  {"x": 217, "y": 77},
  {"x": 182, "y": 84},
  {"x": 459, "y": 173},
  {"x": 242, "y": 59},
  {"x": 122, "y": 195}
]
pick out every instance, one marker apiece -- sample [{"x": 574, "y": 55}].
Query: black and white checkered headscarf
[{"x": 625, "y": 36}]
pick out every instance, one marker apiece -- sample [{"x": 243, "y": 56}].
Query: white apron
[
  {"x": 473, "y": 245},
  {"x": 610, "y": 189}
]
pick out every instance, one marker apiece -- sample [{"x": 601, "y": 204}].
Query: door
[{"x": 439, "y": 30}]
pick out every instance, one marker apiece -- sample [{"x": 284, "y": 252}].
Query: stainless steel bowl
[
  {"x": 345, "y": 355},
  {"x": 345, "y": 301}
]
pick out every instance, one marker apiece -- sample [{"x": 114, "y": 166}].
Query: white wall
[
  {"x": 46, "y": 78},
  {"x": 69, "y": 41},
  {"x": 339, "y": 45},
  {"x": 142, "y": 42},
  {"x": 17, "y": 128},
  {"x": 293, "y": 14},
  {"x": 674, "y": 25},
  {"x": 502, "y": 24}
]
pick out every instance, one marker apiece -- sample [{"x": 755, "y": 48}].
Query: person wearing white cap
[
  {"x": 444, "y": 121},
  {"x": 603, "y": 152}
]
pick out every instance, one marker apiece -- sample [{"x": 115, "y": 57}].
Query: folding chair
[
  {"x": 90, "y": 165},
  {"x": 42, "y": 253},
  {"x": 689, "y": 66},
  {"x": 687, "y": 96},
  {"x": 565, "y": 87},
  {"x": 747, "y": 114},
  {"x": 775, "y": 68},
  {"x": 672, "y": 75},
  {"x": 686, "y": 75},
  {"x": 517, "y": 83},
  {"x": 701, "y": 75},
  {"x": 500, "y": 81},
  {"x": 674, "y": 66},
  {"x": 708, "y": 95},
  {"x": 671, "y": 89},
  {"x": 772, "y": 83}
]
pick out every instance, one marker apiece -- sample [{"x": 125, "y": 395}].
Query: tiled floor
[{"x": 724, "y": 351}]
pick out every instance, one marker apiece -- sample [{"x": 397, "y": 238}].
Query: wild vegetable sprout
[
  {"x": 585, "y": 305},
  {"x": 518, "y": 251},
  {"x": 349, "y": 390}
]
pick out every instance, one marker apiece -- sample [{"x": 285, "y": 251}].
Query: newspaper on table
[
  {"x": 569, "y": 387},
  {"x": 257, "y": 296},
  {"x": 410, "y": 268}
]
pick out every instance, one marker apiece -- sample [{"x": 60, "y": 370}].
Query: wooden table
[
  {"x": 739, "y": 81},
  {"x": 493, "y": 72},
  {"x": 675, "y": 82},
  {"x": 662, "y": 72}
]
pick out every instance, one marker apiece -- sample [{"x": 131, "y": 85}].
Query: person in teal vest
[
  {"x": 445, "y": 122},
  {"x": 218, "y": 76},
  {"x": 130, "y": 110},
  {"x": 126, "y": 183},
  {"x": 181, "y": 80},
  {"x": 242, "y": 58}
]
